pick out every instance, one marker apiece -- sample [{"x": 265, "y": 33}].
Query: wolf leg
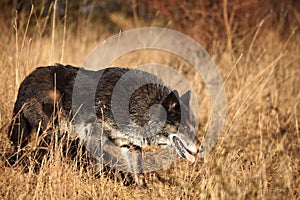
[
  {"x": 134, "y": 162},
  {"x": 19, "y": 130},
  {"x": 31, "y": 116}
]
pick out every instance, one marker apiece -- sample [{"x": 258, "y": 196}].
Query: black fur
[{"x": 49, "y": 89}]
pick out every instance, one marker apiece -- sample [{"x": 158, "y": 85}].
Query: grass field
[{"x": 257, "y": 155}]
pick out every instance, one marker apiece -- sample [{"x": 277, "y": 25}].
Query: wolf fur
[{"x": 48, "y": 90}]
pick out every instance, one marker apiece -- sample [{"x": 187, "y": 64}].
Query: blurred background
[
  {"x": 206, "y": 21},
  {"x": 256, "y": 47}
]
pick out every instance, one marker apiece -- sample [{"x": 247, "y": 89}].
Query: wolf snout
[{"x": 184, "y": 146}]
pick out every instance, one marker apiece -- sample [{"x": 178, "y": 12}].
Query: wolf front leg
[{"x": 133, "y": 157}]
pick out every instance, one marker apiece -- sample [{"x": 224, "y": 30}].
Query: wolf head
[
  {"x": 143, "y": 111},
  {"x": 179, "y": 129}
]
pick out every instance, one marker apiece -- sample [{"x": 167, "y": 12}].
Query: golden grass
[{"x": 257, "y": 155}]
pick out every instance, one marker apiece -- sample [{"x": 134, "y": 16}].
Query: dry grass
[{"x": 258, "y": 153}]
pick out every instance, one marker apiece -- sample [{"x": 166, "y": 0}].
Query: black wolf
[{"x": 157, "y": 115}]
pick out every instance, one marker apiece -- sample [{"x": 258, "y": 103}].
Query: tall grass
[{"x": 257, "y": 155}]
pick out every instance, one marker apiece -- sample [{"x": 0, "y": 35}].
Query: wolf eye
[
  {"x": 172, "y": 105},
  {"x": 162, "y": 144}
]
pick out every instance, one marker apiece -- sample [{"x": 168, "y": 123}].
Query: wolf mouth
[{"x": 182, "y": 150}]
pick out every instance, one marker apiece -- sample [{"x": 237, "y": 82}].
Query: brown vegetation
[{"x": 256, "y": 48}]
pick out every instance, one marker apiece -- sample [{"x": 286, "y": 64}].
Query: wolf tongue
[
  {"x": 183, "y": 150},
  {"x": 188, "y": 156}
]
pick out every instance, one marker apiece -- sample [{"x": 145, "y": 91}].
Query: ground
[{"x": 257, "y": 155}]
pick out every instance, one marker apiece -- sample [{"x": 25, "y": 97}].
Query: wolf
[{"x": 155, "y": 115}]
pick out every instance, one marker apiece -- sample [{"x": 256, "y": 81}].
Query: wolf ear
[
  {"x": 171, "y": 100},
  {"x": 176, "y": 93},
  {"x": 185, "y": 98}
]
